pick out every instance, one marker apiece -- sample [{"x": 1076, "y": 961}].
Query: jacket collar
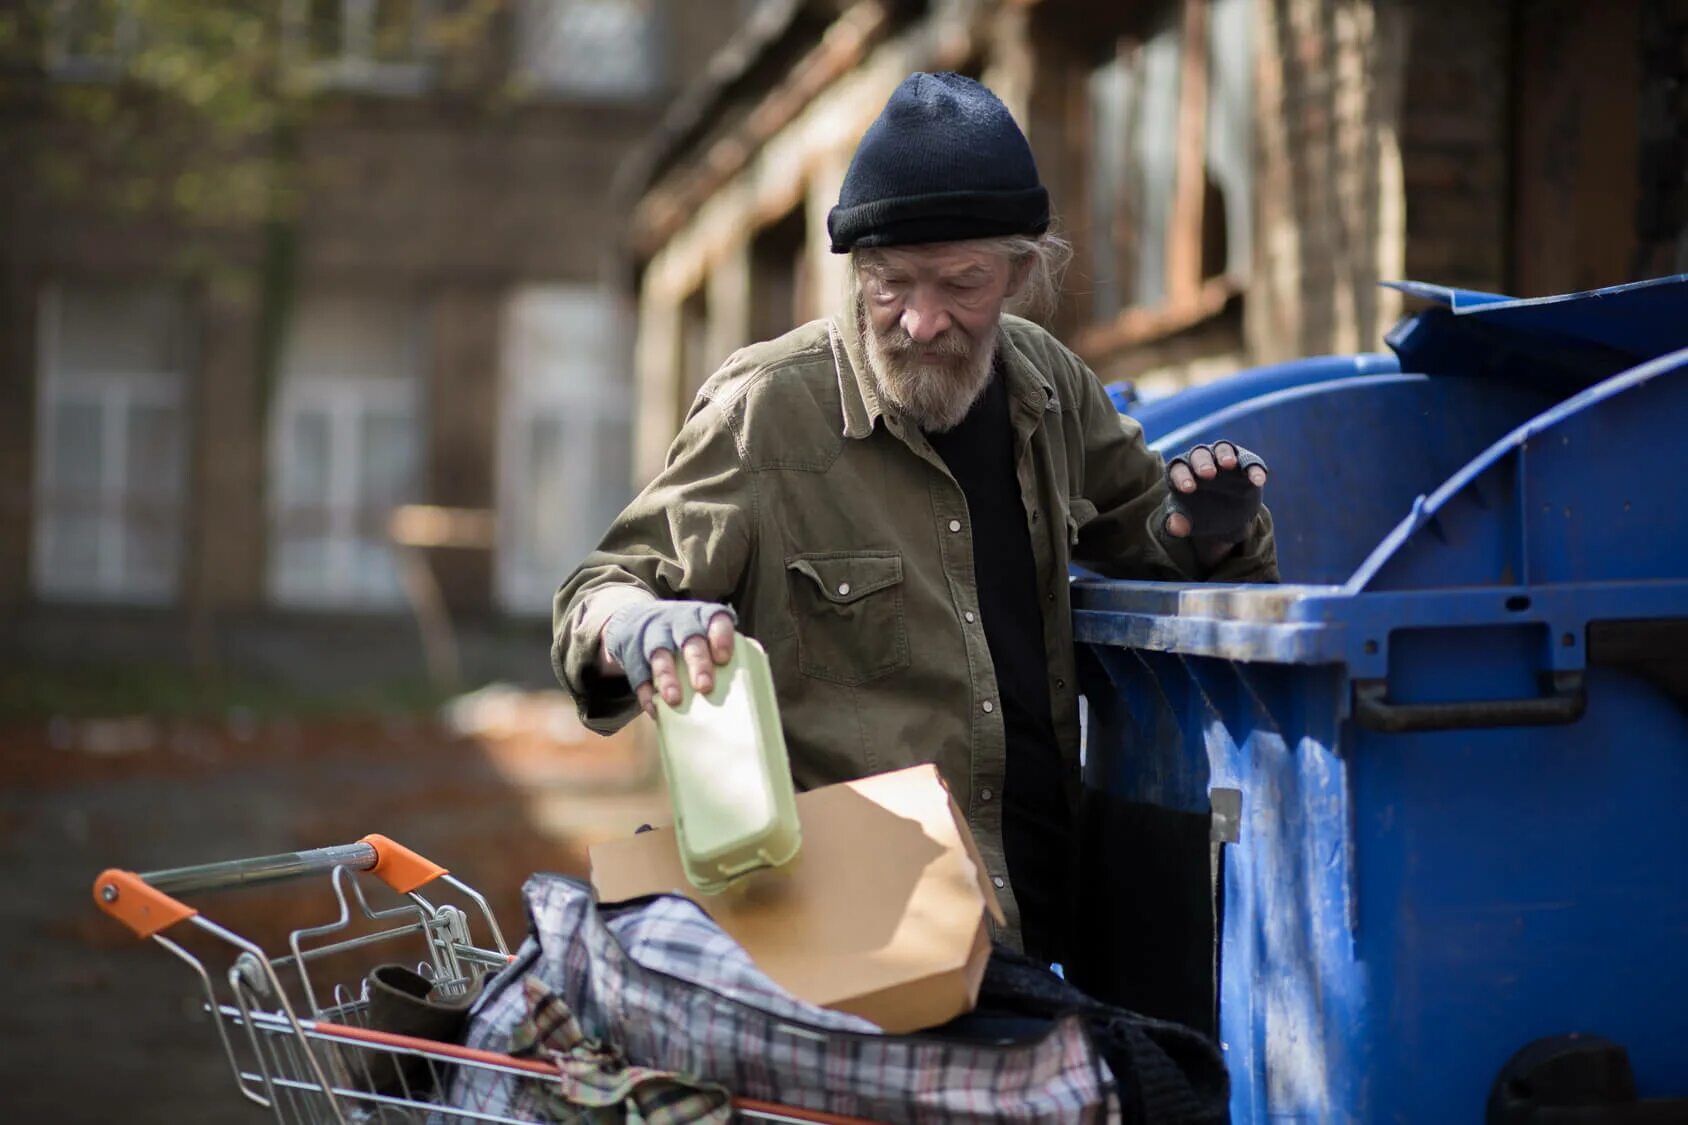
[{"x": 858, "y": 391}]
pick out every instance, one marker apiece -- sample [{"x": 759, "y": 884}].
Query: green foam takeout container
[{"x": 735, "y": 809}]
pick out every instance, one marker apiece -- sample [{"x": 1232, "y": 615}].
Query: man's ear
[{"x": 1017, "y": 275}]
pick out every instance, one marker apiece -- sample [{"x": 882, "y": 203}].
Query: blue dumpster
[
  {"x": 1382, "y": 826},
  {"x": 1162, "y": 415}
]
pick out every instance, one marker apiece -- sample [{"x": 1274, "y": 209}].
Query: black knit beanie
[{"x": 943, "y": 162}]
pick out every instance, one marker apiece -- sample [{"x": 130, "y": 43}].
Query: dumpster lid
[{"x": 1583, "y": 337}]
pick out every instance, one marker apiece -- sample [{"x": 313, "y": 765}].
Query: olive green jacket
[{"x": 837, "y": 533}]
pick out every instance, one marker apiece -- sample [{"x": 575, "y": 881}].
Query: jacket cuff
[
  {"x": 606, "y": 703},
  {"x": 1180, "y": 553},
  {"x": 1255, "y": 559}
]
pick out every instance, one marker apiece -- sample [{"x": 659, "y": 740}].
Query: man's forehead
[{"x": 937, "y": 257}]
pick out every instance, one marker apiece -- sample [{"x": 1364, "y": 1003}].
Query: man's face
[{"x": 928, "y": 316}]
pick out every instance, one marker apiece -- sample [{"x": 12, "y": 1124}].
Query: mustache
[{"x": 949, "y": 342}]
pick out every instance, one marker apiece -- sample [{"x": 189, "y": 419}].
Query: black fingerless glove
[{"x": 1222, "y": 509}]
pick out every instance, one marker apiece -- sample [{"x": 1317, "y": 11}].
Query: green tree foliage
[
  {"x": 191, "y": 110},
  {"x": 189, "y": 115}
]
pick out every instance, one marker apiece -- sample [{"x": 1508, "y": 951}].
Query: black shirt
[{"x": 1036, "y": 820}]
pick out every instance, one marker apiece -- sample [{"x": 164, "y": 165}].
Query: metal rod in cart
[{"x": 308, "y": 1053}]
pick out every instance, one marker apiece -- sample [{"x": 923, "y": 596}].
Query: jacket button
[
  {"x": 999, "y": 882},
  {"x": 969, "y": 617},
  {"x": 984, "y": 794},
  {"x": 843, "y": 588},
  {"x": 955, "y": 525},
  {"x": 1060, "y": 684},
  {"x": 988, "y": 706}
]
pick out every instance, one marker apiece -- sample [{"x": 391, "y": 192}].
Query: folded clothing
[
  {"x": 1163, "y": 1071},
  {"x": 672, "y": 935},
  {"x": 657, "y": 985},
  {"x": 594, "y": 1081}
]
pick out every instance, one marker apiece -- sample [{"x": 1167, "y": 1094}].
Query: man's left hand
[{"x": 1215, "y": 494}]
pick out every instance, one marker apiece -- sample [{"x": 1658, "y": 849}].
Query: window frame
[
  {"x": 113, "y": 393},
  {"x": 653, "y": 74},
  {"x": 1187, "y": 298},
  {"x": 347, "y": 401},
  {"x": 64, "y": 66},
  {"x": 523, "y": 581},
  {"x": 353, "y": 68}
]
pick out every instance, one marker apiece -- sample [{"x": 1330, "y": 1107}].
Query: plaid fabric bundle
[
  {"x": 669, "y": 991},
  {"x": 595, "y": 1085}
]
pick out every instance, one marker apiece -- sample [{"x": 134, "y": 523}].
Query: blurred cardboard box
[{"x": 885, "y": 913}]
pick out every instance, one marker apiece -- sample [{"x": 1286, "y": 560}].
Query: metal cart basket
[{"x": 297, "y": 1035}]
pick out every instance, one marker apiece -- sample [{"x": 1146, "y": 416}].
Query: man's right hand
[{"x": 640, "y": 641}]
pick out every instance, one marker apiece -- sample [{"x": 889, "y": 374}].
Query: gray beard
[{"x": 934, "y": 396}]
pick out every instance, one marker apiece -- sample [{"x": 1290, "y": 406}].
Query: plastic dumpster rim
[
  {"x": 1303, "y": 625},
  {"x": 1186, "y": 435},
  {"x": 1620, "y": 317},
  {"x": 1427, "y": 507},
  {"x": 1162, "y": 415}
]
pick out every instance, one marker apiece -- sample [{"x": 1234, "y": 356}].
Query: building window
[
  {"x": 1170, "y": 188},
  {"x": 111, "y": 445},
  {"x": 90, "y": 40},
  {"x": 696, "y": 362},
  {"x": 588, "y": 48},
  {"x": 781, "y": 288},
  {"x": 379, "y": 45},
  {"x": 564, "y": 456},
  {"x": 345, "y": 449}
]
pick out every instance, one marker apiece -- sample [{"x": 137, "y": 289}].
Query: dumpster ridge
[
  {"x": 1174, "y": 412},
  {"x": 1636, "y": 317},
  {"x": 1511, "y": 452},
  {"x": 1194, "y": 431}
]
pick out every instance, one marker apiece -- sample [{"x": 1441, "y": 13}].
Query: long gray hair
[{"x": 1049, "y": 253}]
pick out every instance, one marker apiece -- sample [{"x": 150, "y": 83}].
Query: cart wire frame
[{"x": 308, "y": 1054}]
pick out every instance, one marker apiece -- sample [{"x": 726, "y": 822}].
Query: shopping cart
[{"x": 297, "y": 1036}]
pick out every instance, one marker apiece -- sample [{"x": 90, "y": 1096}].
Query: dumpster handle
[
  {"x": 1575, "y": 1080},
  {"x": 1565, "y": 703}
]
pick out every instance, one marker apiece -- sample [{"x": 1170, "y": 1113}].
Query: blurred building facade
[
  {"x": 514, "y": 258},
  {"x": 1236, "y": 176},
  {"x": 184, "y": 442}
]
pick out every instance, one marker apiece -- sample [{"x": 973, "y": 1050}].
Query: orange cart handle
[{"x": 145, "y": 904}]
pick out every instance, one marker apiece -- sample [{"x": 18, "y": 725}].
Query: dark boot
[{"x": 404, "y": 1002}]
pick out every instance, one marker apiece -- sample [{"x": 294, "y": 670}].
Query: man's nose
[{"x": 924, "y": 319}]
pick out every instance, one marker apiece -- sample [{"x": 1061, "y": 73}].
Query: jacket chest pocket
[{"x": 848, "y": 608}]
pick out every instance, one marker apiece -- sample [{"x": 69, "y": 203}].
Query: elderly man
[{"x": 888, "y": 502}]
